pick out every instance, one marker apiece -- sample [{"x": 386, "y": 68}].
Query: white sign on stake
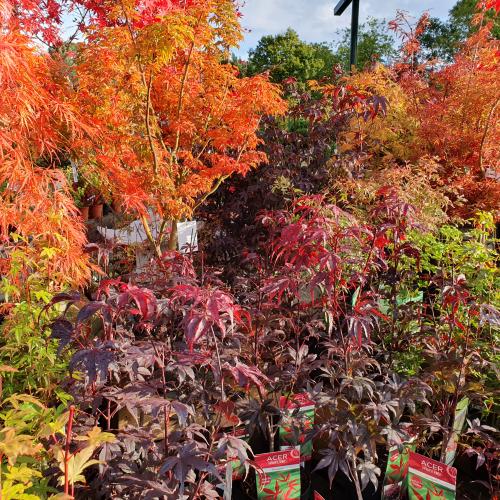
[
  {"x": 74, "y": 171},
  {"x": 187, "y": 236}
]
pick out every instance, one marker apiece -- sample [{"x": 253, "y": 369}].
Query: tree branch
[{"x": 148, "y": 125}]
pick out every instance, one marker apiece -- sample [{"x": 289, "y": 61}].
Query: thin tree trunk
[
  {"x": 149, "y": 235},
  {"x": 172, "y": 241}
]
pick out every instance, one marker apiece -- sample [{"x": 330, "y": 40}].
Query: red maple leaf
[
  {"x": 493, "y": 4},
  {"x": 273, "y": 494}
]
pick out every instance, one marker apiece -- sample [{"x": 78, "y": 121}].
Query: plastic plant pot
[
  {"x": 96, "y": 211},
  {"x": 84, "y": 213}
]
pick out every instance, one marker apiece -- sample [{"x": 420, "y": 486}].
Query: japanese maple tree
[
  {"x": 176, "y": 117},
  {"x": 459, "y": 121},
  {"x": 41, "y": 238},
  {"x": 455, "y": 110}
]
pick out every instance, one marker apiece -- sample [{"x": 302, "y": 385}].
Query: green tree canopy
[
  {"x": 375, "y": 43},
  {"x": 460, "y": 19},
  {"x": 442, "y": 39},
  {"x": 286, "y": 55}
]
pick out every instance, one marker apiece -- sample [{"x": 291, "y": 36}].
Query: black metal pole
[{"x": 354, "y": 32}]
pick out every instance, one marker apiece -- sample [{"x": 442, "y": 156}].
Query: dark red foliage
[
  {"x": 175, "y": 368},
  {"x": 301, "y": 149}
]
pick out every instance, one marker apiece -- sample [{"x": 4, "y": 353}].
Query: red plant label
[
  {"x": 436, "y": 471},
  {"x": 430, "y": 479},
  {"x": 280, "y": 476}
]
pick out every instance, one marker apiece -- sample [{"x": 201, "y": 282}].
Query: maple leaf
[
  {"x": 245, "y": 375},
  {"x": 369, "y": 473},
  {"x": 256, "y": 414},
  {"x": 62, "y": 330},
  {"x": 88, "y": 310},
  {"x": 293, "y": 488},
  {"x": 76, "y": 464},
  {"x": 13, "y": 445},
  {"x": 208, "y": 309},
  {"x": 230, "y": 447},
  {"x": 188, "y": 458},
  {"x": 274, "y": 494},
  {"x": 93, "y": 362},
  {"x": 96, "y": 437},
  {"x": 143, "y": 298},
  {"x": 227, "y": 411},
  {"x": 333, "y": 460}
]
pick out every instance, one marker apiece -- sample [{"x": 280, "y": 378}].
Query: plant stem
[
  {"x": 66, "y": 453},
  {"x": 180, "y": 100},
  {"x": 355, "y": 478},
  {"x": 222, "y": 393},
  {"x": 148, "y": 124}
]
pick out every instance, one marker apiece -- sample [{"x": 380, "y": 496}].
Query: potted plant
[
  {"x": 116, "y": 206},
  {"x": 81, "y": 201},
  {"x": 96, "y": 207},
  {"x": 93, "y": 193}
]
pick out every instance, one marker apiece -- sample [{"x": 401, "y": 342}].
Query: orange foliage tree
[
  {"x": 441, "y": 121},
  {"x": 459, "y": 121},
  {"x": 41, "y": 237},
  {"x": 176, "y": 117}
]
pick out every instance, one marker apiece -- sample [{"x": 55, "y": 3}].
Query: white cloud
[{"x": 314, "y": 19}]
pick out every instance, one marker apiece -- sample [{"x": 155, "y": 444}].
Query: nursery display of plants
[{"x": 218, "y": 283}]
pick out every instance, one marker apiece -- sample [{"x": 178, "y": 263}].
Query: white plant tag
[
  {"x": 187, "y": 236},
  {"x": 74, "y": 171}
]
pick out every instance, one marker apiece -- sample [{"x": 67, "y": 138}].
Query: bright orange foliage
[
  {"x": 460, "y": 122},
  {"x": 41, "y": 238},
  {"x": 170, "y": 120},
  {"x": 446, "y": 118},
  {"x": 177, "y": 118},
  {"x": 386, "y": 136}
]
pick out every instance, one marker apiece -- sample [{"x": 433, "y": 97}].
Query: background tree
[
  {"x": 287, "y": 56},
  {"x": 375, "y": 43},
  {"x": 443, "y": 123},
  {"x": 459, "y": 121},
  {"x": 462, "y": 15},
  {"x": 442, "y": 39},
  {"x": 438, "y": 41}
]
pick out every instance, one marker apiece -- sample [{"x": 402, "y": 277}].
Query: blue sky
[{"x": 314, "y": 19}]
